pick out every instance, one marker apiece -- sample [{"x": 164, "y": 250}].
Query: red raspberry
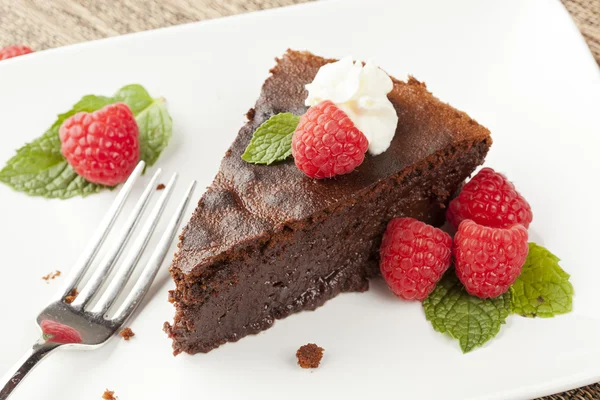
[
  {"x": 413, "y": 257},
  {"x": 14, "y": 51},
  {"x": 489, "y": 260},
  {"x": 490, "y": 200},
  {"x": 59, "y": 333},
  {"x": 326, "y": 142},
  {"x": 104, "y": 146}
]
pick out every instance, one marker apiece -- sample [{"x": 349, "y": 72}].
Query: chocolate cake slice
[{"x": 267, "y": 241}]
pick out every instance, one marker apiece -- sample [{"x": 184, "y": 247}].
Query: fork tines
[{"x": 102, "y": 271}]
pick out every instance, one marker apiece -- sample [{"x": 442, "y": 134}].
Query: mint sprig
[
  {"x": 469, "y": 319},
  {"x": 272, "y": 141},
  {"x": 543, "y": 288},
  {"x": 39, "y": 168}
]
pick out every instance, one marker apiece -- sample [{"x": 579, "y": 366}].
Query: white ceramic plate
[{"x": 519, "y": 67}]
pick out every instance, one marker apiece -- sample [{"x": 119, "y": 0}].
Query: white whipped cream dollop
[{"x": 361, "y": 92}]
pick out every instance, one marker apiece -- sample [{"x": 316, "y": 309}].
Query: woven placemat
[{"x": 43, "y": 24}]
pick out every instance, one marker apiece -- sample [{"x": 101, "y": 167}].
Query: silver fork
[{"x": 80, "y": 326}]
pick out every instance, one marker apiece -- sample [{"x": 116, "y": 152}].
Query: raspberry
[
  {"x": 491, "y": 200},
  {"x": 59, "y": 333},
  {"x": 413, "y": 257},
  {"x": 14, "y": 51},
  {"x": 103, "y": 146},
  {"x": 489, "y": 260},
  {"x": 326, "y": 142}
]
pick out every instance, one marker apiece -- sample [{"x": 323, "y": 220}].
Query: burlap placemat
[{"x": 43, "y": 24}]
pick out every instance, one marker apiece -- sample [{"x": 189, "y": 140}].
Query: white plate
[{"x": 519, "y": 67}]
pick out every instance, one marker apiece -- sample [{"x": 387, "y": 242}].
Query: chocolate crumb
[
  {"x": 309, "y": 355},
  {"x": 540, "y": 299},
  {"x": 109, "y": 395},
  {"x": 72, "y": 296},
  {"x": 250, "y": 114},
  {"x": 160, "y": 186},
  {"x": 228, "y": 153},
  {"x": 51, "y": 275},
  {"x": 167, "y": 328},
  {"x": 171, "y": 296},
  {"x": 127, "y": 334}
]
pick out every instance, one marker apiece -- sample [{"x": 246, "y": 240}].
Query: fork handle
[{"x": 20, "y": 370}]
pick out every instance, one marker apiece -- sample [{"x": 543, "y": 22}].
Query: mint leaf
[
  {"x": 135, "y": 96},
  {"x": 272, "y": 141},
  {"x": 543, "y": 288},
  {"x": 469, "y": 319},
  {"x": 89, "y": 103},
  {"x": 153, "y": 120},
  {"x": 39, "y": 168},
  {"x": 48, "y": 177},
  {"x": 156, "y": 129}
]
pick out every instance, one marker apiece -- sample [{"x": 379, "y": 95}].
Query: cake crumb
[
  {"x": 309, "y": 355},
  {"x": 160, "y": 186},
  {"x": 51, "y": 275},
  {"x": 109, "y": 395},
  {"x": 127, "y": 333},
  {"x": 251, "y": 114},
  {"x": 171, "y": 298},
  {"x": 72, "y": 296}
]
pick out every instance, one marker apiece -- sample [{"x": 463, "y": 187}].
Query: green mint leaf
[
  {"x": 89, "y": 103},
  {"x": 272, "y": 141},
  {"x": 469, "y": 319},
  {"x": 135, "y": 96},
  {"x": 39, "y": 168},
  {"x": 40, "y": 173},
  {"x": 154, "y": 121},
  {"x": 543, "y": 288},
  {"x": 156, "y": 129}
]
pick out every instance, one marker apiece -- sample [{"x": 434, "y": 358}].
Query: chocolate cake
[{"x": 267, "y": 241}]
